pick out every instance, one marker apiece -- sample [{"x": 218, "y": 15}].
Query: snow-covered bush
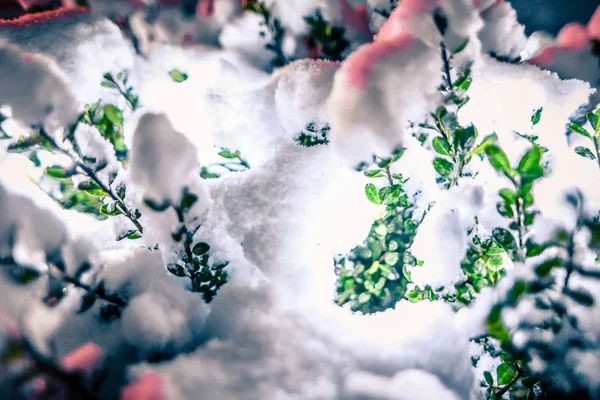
[{"x": 323, "y": 199}]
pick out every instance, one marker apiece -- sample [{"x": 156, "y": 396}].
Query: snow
[
  {"x": 272, "y": 331},
  {"x": 35, "y": 89},
  {"x": 369, "y": 99},
  {"x": 78, "y": 42},
  {"x": 163, "y": 161}
]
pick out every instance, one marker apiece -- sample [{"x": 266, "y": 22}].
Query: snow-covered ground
[{"x": 273, "y": 330}]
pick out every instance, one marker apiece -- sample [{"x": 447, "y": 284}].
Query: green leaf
[
  {"x": 200, "y": 248},
  {"x": 536, "y": 116},
  {"x": 504, "y": 238},
  {"x": 364, "y": 297},
  {"x": 530, "y": 160},
  {"x": 391, "y": 258},
  {"x": 488, "y": 378},
  {"x": 107, "y": 84},
  {"x": 113, "y": 114},
  {"x": 371, "y": 192},
  {"x": 178, "y": 76},
  {"x": 546, "y": 267},
  {"x": 461, "y": 46},
  {"x": 579, "y": 296},
  {"x": 441, "y": 146},
  {"x": 188, "y": 200},
  {"x": 579, "y": 129},
  {"x": 509, "y": 196},
  {"x": 464, "y": 138},
  {"x": 92, "y": 188},
  {"x": 377, "y": 173},
  {"x": 155, "y": 206},
  {"x": 227, "y": 154},
  {"x": 505, "y": 373},
  {"x": 487, "y": 141},
  {"x": 176, "y": 270},
  {"x": 594, "y": 120},
  {"x": 131, "y": 234},
  {"x": 58, "y": 172},
  {"x": 442, "y": 167},
  {"x": 110, "y": 210},
  {"x": 585, "y": 152},
  {"x": 87, "y": 301},
  {"x": 499, "y": 160},
  {"x": 394, "y": 194}
]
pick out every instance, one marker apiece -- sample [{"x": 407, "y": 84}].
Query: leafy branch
[
  {"x": 132, "y": 215},
  {"x": 276, "y": 31},
  {"x": 594, "y": 121},
  {"x": 205, "y": 279}
]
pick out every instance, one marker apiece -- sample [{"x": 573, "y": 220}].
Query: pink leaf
[
  {"x": 205, "y": 8},
  {"x": 83, "y": 360},
  {"x": 573, "y": 36},
  {"x": 29, "y": 20},
  {"x": 359, "y": 66},
  {"x": 405, "y": 13},
  {"x": 357, "y": 18},
  {"x": 148, "y": 387},
  {"x": 593, "y": 27},
  {"x": 546, "y": 57}
]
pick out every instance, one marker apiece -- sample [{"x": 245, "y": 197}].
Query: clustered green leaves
[
  {"x": 375, "y": 275},
  {"x": 313, "y": 136},
  {"x": 205, "y": 277},
  {"x": 233, "y": 162},
  {"x": 273, "y": 26},
  {"x": 327, "y": 39}
]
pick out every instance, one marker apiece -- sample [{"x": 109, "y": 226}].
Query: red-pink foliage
[
  {"x": 29, "y": 20},
  {"x": 148, "y": 387},
  {"x": 82, "y": 360},
  {"x": 360, "y": 65}
]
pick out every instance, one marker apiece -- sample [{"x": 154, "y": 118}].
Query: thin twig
[{"x": 92, "y": 175}]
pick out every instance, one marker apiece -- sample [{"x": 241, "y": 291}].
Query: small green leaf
[
  {"x": 579, "y": 296},
  {"x": 509, "y": 196},
  {"x": 176, "y": 270},
  {"x": 371, "y": 192},
  {"x": 505, "y": 373},
  {"x": 488, "y": 378},
  {"x": 227, "y": 154},
  {"x": 499, "y": 160},
  {"x": 200, "y": 248},
  {"x": 178, "y": 76},
  {"x": 377, "y": 173},
  {"x": 585, "y": 152},
  {"x": 547, "y": 266},
  {"x": 594, "y": 121},
  {"x": 113, "y": 114},
  {"x": 579, "y": 129},
  {"x": 155, "y": 206},
  {"x": 461, "y": 46},
  {"x": 487, "y": 141},
  {"x": 464, "y": 138},
  {"x": 441, "y": 146},
  {"x": 188, "y": 200},
  {"x": 530, "y": 160},
  {"x": 131, "y": 234},
  {"x": 58, "y": 172},
  {"x": 110, "y": 210},
  {"x": 442, "y": 167},
  {"x": 536, "y": 116},
  {"x": 364, "y": 297},
  {"x": 92, "y": 188},
  {"x": 87, "y": 301}
]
